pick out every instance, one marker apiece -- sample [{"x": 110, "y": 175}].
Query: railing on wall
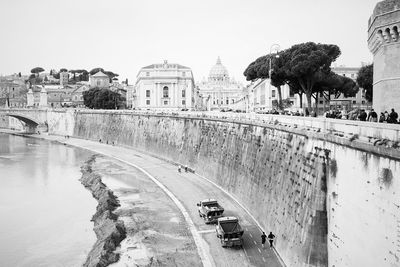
[{"x": 346, "y": 127}]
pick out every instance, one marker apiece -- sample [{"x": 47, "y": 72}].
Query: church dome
[{"x": 218, "y": 72}]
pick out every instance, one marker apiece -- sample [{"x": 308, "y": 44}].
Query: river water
[{"x": 45, "y": 212}]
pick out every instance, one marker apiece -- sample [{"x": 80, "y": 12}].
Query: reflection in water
[{"x": 45, "y": 211}]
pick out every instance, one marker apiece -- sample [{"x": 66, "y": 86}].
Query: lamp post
[{"x": 274, "y": 47}]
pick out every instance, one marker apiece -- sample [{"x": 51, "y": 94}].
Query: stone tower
[{"x": 384, "y": 43}]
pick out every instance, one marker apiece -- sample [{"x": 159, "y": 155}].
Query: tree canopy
[
  {"x": 97, "y": 98},
  {"x": 305, "y": 68},
  {"x": 96, "y": 70},
  {"x": 365, "y": 79},
  {"x": 37, "y": 70}
]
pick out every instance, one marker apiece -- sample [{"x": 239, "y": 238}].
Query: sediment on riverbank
[{"x": 109, "y": 230}]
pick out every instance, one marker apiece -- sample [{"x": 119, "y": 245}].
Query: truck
[
  {"x": 210, "y": 210},
  {"x": 229, "y": 232}
]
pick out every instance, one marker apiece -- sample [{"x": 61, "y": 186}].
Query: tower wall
[{"x": 384, "y": 43}]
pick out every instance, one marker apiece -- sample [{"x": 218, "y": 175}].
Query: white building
[
  {"x": 164, "y": 86},
  {"x": 358, "y": 101},
  {"x": 219, "y": 91},
  {"x": 262, "y": 96}
]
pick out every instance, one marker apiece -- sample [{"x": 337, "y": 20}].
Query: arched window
[{"x": 165, "y": 91}]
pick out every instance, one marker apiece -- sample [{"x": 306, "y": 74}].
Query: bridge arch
[
  {"x": 25, "y": 119},
  {"x": 31, "y": 125}
]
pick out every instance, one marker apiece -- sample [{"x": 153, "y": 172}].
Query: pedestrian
[
  {"x": 186, "y": 168},
  {"x": 271, "y": 238},
  {"x": 386, "y": 116},
  {"x": 382, "y": 117},
  {"x": 363, "y": 115},
  {"x": 179, "y": 168},
  {"x": 263, "y": 238},
  {"x": 372, "y": 116},
  {"x": 393, "y": 116}
]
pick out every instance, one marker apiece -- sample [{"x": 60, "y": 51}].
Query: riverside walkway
[{"x": 188, "y": 189}]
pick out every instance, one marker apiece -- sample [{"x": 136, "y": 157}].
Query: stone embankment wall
[
  {"x": 330, "y": 196},
  {"x": 279, "y": 176}
]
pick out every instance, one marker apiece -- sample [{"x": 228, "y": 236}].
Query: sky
[{"x": 125, "y": 35}]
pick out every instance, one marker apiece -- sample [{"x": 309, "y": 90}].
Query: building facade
[
  {"x": 64, "y": 78},
  {"x": 12, "y": 92},
  {"x": 56, "y": 96},
  {"x": 219, "y": 91},
  {"x": 99, "y": 80},
  {"x": 164, "y": 86},
  {"x": 341, "y": 102},
  {"x": 263, "y": 97}
]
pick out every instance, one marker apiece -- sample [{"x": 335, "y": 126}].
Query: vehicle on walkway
[
  {"x": 229, "y": 232},
  {"x": 210, "y": 210}
]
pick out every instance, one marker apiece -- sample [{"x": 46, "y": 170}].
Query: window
[
  {"x": 184, "y": 102},
  {"x": 148, "y": 102},
  {"x": 147, "y": 93},
  {"x": 165, "y": 91},
  {"x": 227, "y": 101},
  {"x": 354, "y": 102},
  {"x": 214, "y": 102},
  {"x": 147, "y": 73},
  {"x": 273, "y": 93},
  {"x": 98, "y": 83},
  {"x": 183, "y": 74},
  {"x": 363, "y": 102},
  {"x": 165, "y": 102},
  {"x": 321, "y": 102},
  {"x": 183, "y": 93}
]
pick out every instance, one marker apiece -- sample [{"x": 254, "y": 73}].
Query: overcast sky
[{"x": 125, "y": 35}]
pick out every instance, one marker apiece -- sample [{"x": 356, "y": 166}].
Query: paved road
[{"x": 189, "y": 188}]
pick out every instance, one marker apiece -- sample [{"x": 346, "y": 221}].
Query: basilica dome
[{"x": 218, "y": 72}]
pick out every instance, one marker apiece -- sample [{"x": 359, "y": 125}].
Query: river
[{"x": 45, "y": 211}]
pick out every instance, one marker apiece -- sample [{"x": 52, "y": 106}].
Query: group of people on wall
[
  {"x": 363, "y": 115},
  {"x": 384, "y": 117}
]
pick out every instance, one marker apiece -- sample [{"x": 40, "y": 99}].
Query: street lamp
[{"x": 274, "y": 47}]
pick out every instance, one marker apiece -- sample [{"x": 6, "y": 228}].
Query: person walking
[
  {"x": 271, "y": 238},
  {"x": 372, "y": 116},
  {"x": 179, "y": 168},
  {"x": 186, "y": 168},
  {"x": 382, "y": 117},
  {"x": 393, "y": 116},
  {"x": 362, "y": 116},
  {"x": 263, "y": 239}
]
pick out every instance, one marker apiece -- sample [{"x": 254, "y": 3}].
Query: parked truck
[
  {"x": 210, "y": 210},
  {"x": 229, "y": 232}
]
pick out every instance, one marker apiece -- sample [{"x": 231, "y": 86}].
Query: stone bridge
[
  {"x": 328, "y": 188},
  {"x": 31, "y": 120}
]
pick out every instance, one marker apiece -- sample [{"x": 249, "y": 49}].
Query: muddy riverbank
[{"x": 109, "y": 230}]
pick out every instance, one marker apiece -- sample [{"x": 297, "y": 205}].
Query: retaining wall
[{"x": 331, "y": 199}]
